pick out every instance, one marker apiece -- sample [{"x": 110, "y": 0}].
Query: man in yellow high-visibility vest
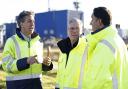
[
  {"x": 71, "y": 53},
  {"x": 22, "y": 57},
  {"x": 106, "y": 65}
]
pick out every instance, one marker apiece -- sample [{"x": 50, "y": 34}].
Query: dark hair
[
  {"x": 21, "y": 17},
  {"x": 103, "y": 14}
]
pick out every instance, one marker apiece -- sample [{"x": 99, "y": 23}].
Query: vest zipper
[{"x": 29, "y": 55}]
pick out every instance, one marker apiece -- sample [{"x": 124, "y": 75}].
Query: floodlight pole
[
  {"x": 48, "y": 5},
  {"x": 76, "y": 5}
]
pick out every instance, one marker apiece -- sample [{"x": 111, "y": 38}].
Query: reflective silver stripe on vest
[
  {"x": 9, "y": 64},
  {"x": 5, "y": 59},
  {"x": 109, "y": 45},
  {"x": 115, "y": 81},
  {"x": 82, "y": 68},
  {"x": 11, "y": 78},
  {"x": 69, "y": 88},
  {"x": 114, "y": 77},
  {"x": 17, "y": 47}
]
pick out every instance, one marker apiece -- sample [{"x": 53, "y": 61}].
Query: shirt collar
[
  {"x": 25, "y": 37},
  {"x": 98, "y": 30}
]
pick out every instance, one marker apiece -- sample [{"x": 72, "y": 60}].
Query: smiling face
[
  {"x": 28, "y": 25},
  {"x": 74, "y": 30}
]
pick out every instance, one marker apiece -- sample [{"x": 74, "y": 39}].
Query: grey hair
[{"x": 76, "y": 20}]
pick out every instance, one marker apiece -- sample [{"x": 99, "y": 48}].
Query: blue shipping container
[
  {"x": 54, "y": 23},
  {"x": 49, "y": 24},
  {"x": 10, "y": 30}
]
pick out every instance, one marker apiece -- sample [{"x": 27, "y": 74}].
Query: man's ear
[{"x": 100, "y": 21}]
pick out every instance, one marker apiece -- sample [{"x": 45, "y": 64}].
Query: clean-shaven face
[
  {"x": 27, "y": 27},
  {"x": 95, "y": 23},
  {"x": 74, "y": 31}
]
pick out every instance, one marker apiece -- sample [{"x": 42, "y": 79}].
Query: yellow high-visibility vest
[
  {"x": 107, "y": 62},
  {"x": 68, "y": 77},
  {"x": 16, "y": 49}
]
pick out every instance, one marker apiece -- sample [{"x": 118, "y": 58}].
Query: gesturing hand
[
  {"x": 31, "y": 59},
  {"x": 47, "y": 60}
]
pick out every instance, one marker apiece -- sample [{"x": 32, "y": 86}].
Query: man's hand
[
  {"x": 47, "y": 60},
  {"x": 32, "y": 59}
]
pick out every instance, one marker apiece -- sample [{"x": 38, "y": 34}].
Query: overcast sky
[{"x": 11, "y": 8}]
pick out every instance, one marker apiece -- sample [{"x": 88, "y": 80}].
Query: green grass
[
  {"x": 49, "y": 80},
  {"x": 2, "y": 80}
]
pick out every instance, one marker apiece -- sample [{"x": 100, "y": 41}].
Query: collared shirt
[{"x": 25, "y": 37}]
